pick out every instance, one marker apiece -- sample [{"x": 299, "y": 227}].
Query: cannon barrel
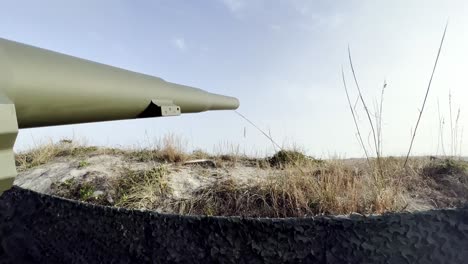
[
  {"x": 49, "y": 88},
  {"x": 39, "y": 88}
]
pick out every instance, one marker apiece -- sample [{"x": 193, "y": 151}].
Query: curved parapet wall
[{"x": 36, "y": 228}]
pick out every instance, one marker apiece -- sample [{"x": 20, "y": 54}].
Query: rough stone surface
[{"x": 37, "y": 228}]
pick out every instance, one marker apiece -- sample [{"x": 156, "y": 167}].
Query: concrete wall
[{"x": 36, "y": 228}]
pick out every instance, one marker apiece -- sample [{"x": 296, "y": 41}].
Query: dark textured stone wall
[{"x": 36, "y": 228}]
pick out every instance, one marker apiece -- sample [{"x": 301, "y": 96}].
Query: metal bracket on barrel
[
  {"x": 8, "y": 134},
  {"x": 161, "y": 107},
  {"x": 168, "y": 108}
]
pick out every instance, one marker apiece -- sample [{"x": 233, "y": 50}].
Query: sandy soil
[{"x": 183, "y": 178}]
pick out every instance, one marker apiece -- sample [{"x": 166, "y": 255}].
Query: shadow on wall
[{"x": 36, "y": 228}]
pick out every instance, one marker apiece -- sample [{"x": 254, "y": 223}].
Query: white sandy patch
[{"x": 183, "y": 179}]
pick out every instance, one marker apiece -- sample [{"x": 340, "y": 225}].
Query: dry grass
[
  {"x": 169, "y": 149},
  {"x": 142, "y": 189},
  {"x": 296, "y": 185},
  {"x": 324, "y": 188},
  {"x": 285, "y": 158},
  {"x": 84, "y": 191},
  {"x": 45, "y": 153}
]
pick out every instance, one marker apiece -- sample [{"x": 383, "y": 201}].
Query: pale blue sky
[{"x": 281, "y": 58}]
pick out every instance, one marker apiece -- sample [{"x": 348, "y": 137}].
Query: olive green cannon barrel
[{"x": 39, "y": 88}]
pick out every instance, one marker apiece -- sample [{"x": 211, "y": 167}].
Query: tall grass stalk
[
  {"x": 376, "y": 136},
  {"x": 358, "y": 131},
  {"x": 440, "y": 143},
  {"x": 425, "y": 97},
  {"x": 366, "y": 109},
  {"x": 379, "y": 116}
]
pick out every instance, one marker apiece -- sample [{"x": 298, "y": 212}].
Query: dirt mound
[
  {"x": 289, "y": 184},
  {"x": 447, "y": 182}
]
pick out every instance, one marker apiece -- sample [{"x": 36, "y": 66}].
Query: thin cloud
[
  {"x": 320, "y": 21},
  {"x": 179, "y": 43},
  {"x": 301, "y": 6},
  {"x": 275, "y": 27},
  {"x": 234, "y": 5}
]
